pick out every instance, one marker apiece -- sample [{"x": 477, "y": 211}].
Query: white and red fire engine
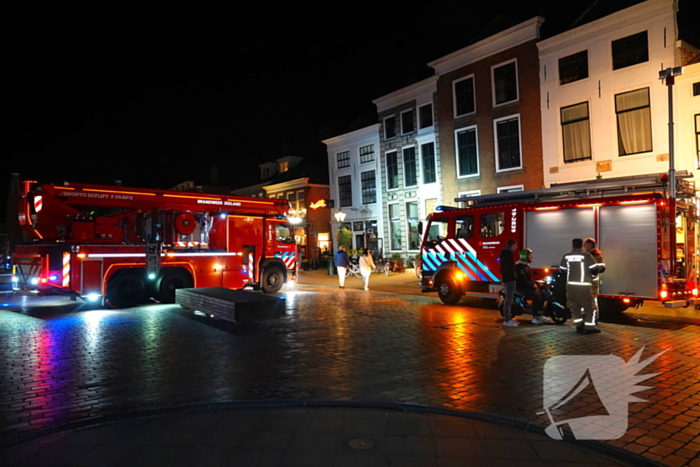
[
  {"x": 127, "y": 244},
  {"x": 648, "y": 239}
]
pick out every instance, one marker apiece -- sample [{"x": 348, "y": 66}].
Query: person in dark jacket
[
  {"x": 527, "y": 287},
  {"x": 342, "y": 261},
  {"x": 507, "y": 260}
]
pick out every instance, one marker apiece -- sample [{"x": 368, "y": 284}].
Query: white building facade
[
  {"x": 686, "y": 92},
  {"x": 604, "y": 109},
  {"x": 409, "y": 163},
  {"x": 356, "y": 186}
]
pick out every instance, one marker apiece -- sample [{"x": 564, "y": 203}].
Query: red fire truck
[
  {"x": 648, "y": 238},
  {"x": 127, "y": 244}
]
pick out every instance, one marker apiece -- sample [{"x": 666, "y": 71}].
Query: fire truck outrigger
[
  {"x": 125, "y": 245},
  {"x": 648, "y": 239}
]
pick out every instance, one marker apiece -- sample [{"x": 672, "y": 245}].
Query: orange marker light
[
  {"x": 626, "y": 300},
  {"x": 664, "y": 294},
  {"x": 642, "y": 201}
]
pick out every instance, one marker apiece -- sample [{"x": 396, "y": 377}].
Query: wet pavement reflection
[{"x": 59, "y": 362}]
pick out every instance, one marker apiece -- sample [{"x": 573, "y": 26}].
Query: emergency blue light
[{"x": 53, "y": 277}]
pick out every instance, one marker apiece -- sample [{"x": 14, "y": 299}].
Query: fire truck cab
[
  {"x": 125, "y": 245},
  {"x": 648, "y": 239}
]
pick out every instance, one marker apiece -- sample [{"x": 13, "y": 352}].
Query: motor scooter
[{"x": 554, "y": 294}]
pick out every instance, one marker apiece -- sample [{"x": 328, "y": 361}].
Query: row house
[
  {"x": 687, "y": 125},
  {"x": 302, "y": 183},
  {"x": 356, "y": 187},
  {"x": 409, "y": 163},
  {"x": 488, "y": 98},
  {"x": 604, "y": 108}
]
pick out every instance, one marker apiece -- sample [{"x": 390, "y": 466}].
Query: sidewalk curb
[{"x": 612, "y": 452}]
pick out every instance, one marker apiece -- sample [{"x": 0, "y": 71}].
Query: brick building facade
[
  {"x": 409, "y": 163},
  {"x": 488, "y": 102}
]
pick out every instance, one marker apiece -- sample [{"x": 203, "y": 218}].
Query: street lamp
[
  {"x": 339, "y": 218},
  {"x": 669, "y": 74}
]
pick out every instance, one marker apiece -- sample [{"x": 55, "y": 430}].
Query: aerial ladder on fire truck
[{"x": 127, "y": 244}]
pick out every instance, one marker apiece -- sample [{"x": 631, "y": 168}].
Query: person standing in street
[
  {"x": 507, "y": 260},
  {"x": 580, "y": 269},
  {"x": 342, "y": 261},
  {"x": 366, "y": 267},
  {"x": 590, "y": 246}
]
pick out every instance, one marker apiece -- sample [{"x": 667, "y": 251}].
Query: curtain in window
[
  {"x": 633, "y": 122},
  {"x": 576, "y": 131}
]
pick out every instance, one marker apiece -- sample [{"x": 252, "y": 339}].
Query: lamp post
[
  {"x": 339, "y": 218},
  {"x": 669, "y": 75}
]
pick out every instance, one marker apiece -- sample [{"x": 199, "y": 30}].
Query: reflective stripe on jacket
[{"x": 580, "y": 267}]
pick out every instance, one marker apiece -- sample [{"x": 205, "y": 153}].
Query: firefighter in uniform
[
  {"x": 580, "y": 269},
  {"x": 590, "y": 246}
]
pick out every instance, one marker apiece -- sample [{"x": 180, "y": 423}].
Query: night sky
[{"x": 152, "y": 98}]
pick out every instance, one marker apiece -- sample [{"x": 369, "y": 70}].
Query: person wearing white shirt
[{"x": 366, "y": 267}]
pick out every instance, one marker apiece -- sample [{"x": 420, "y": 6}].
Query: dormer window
[{"x": 284, "y": 166}]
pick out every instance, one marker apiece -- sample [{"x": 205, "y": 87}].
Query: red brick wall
[
  {"x": 528, "y": 106},
  {"x": 317, "y": 220}
]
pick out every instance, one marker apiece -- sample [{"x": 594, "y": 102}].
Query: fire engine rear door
[
  {"x": 628, "y": 236},
  {"x": 549, "y": 233}
]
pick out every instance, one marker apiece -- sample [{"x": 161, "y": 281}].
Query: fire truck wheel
[
  {"x": 167, "y": 283},
  {"x": 272, "y": 280},
  {"x": 126, "y": 290},
  {"x": 449, "y": 292}
]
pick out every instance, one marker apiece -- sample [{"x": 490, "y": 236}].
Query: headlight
[{"x": 34, "y": 281}]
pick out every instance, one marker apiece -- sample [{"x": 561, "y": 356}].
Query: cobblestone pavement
[{"x": 344, "y": 345}]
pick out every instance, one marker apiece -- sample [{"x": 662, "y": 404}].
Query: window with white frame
[
  {"x": 467, "y": 152},
  {"x": 343, "y": 159},
  {"x": 392, "y": 170},
  {"x": 463, "y": 96},
  {"x": 366, "y": 153},
  {"x": 510, "y": 189},
  {"x": 467, "y": 194},
  {"x": 407, "y": 125},
  {"x": 345, "y": 190},
  {"x": 412, "y": 219},
  {"x": 390, "y": 127},
  {"x": 301, "y": 200},
  {"x": 508, "y": 143},
  {"x": 410, "y": 167},
  {"x": 369, "y": 187},
  {"x": 576, "y": 132},
  {"x": 505, "y": 83},
  {"x": 395, "y": 226},
  {"x": 633, "y": 112},
  {"x": 630, "y": 50},
  {"x": 425, "y": 116},
  {"x": 427, "y": 152}
]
